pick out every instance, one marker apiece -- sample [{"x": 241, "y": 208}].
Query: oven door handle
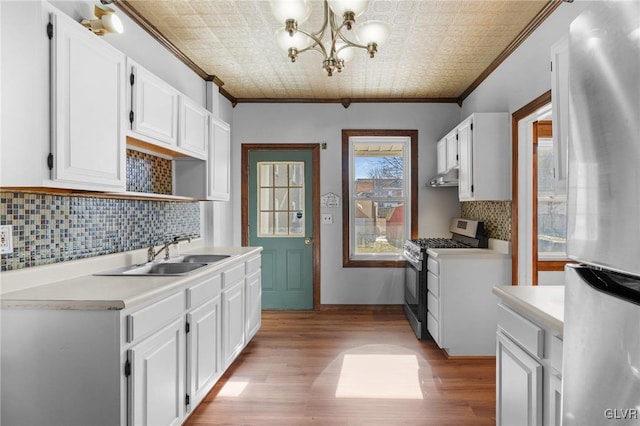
[{"x": 416, "y": 264}]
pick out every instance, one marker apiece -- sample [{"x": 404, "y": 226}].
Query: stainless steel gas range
[{"x": 465, "y": 233}]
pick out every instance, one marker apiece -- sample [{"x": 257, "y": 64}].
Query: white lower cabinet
[
  {"x": 253, "y": 293},
  {"x": 157, "y": 377},
  {"x": 528, "y": 371},
  {"x": 233, "y": 332},
  {"x": 518, "y": 385},
  {"x": 150, "y": 364},
  {"x": 461, "y": 282},
  {"x": 204, "y": 365}
]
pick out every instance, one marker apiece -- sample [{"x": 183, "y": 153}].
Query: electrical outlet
[
  {"x": 327, "y": 218},
  {"x": 6, "y": 239}
]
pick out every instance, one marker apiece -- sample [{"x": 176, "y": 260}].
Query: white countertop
[
  {"x": 544, "y": 304},
  {"x": 112, "y": 292}
]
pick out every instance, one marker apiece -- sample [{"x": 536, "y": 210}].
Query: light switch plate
[
  {"x": 327, "y": 218},
  {"x": 6, "y": 239}
]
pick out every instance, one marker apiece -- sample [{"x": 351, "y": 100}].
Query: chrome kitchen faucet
[{"x": 151, "y": 255}]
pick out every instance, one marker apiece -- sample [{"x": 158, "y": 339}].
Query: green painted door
[{"x": 280, "y": 220}]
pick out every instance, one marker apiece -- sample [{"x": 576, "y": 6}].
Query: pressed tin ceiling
[{"x": 437, "y": 51}]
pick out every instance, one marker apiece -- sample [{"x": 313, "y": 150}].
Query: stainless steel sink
[
  {"x": 165, "y": 268},
  {"x": 201, "y": 258}
]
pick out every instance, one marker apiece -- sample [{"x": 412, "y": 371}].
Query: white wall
[{"x": 316, "y": 123}]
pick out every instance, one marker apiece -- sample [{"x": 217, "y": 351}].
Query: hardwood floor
[{"x": 350, "y": 367}]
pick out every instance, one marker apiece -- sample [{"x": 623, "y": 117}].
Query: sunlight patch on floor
[
  {"x": 233, "y": 389},
  {"x": 388, "y": 376}
]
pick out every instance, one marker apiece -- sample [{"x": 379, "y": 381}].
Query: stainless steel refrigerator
[{"x": 601, "y": 364}]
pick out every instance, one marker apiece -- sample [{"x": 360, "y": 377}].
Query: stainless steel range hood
[{"x": 449, "y": 178}]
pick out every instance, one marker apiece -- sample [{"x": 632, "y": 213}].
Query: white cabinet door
[
  {"x": 452, "y": 150},
  {"x": 154, "y": 106},
  {"x": 465, "y": 145},
  {"x": 441, "y": 149},
  {"x": 560, "y": 110},
  {"x": 254, "y": 303},
  {"x": 219, "y": 158},
  {"x": 233, "y": 322},
  {"x": 156, "y": 387},
  {"x": 203, "y": 343},
  {"x": 88, "y": 110},
  {"x": 518, "y": 385},
  {"x": 554, "y": 416},
  {"x": 194, "y": 127}
]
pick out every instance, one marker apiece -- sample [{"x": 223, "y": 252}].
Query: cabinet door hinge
[
  {"x": 132, "y": 79},
  {"x": 50, "y": 30},
  {"x": 471, "y": 188},
  {"x": 457, "y": 157},
  {"x": 551, "y": 65},
  {"x": 187, "y": 399},
  {"x": 131, "y": 116},
  {"x": 127, "y": 368},
  {"x": 187, "y": 327},
  {"x": 50, "y": 161},
  {"x": 471, "y": 126},
  {"x": 456, "y": 136}
]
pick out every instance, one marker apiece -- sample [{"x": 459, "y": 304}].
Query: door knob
[{"x": 308, "y": 241}]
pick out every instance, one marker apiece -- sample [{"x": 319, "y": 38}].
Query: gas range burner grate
[{"x": 427, "y": 243}]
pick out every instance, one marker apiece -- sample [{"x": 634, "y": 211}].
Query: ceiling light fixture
[
  {"x": 107, "y": 22},
  {"x": 338, "y": 50}
]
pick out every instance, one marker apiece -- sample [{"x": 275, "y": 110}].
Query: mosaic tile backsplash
[
  {"x": 56, "y": 228},
  {"x": 148, "y": 173},
  {"x": 495, "y": 214}
]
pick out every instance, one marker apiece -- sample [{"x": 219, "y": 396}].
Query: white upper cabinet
[
  {"x": 441, "y": 150},
  {"x": 218, "y": 184},
  {"x": 465, "y": 176},
  {"x": 447, "y": 151},
  {"x": 194, "y": 127},
  {"x": 560, "y": 109},
  {"x": 154, "y": 108},
  {"x": 484, "y": 157},
  {"x": 88, "y": 107},
  {"x": 452, "y": 150},
  {"x": 63, "y": 102}
]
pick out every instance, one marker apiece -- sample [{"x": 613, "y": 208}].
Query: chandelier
[{"x": 339, "y": 15}]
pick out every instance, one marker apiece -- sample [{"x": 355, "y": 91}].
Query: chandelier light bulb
[
  {"x": 298, "y": 10},
  {"x": 344, "y": 52},
  {"x": 339, "y": 7},
  {"x": 298, "y": 41},
  {"x": 372, "y": 32}
]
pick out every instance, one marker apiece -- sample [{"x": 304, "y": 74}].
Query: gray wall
[{"x": 316, "y": 123}]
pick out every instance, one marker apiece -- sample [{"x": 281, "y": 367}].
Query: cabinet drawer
[
  {"x": 203, "y": 291},
  {"x": 432, "y": 327},
  {"x": 433, "y": 284},
  {"x": 524, "y": 332},
  {"x": 555, "y": 353},
  {"x": 253, "y": 265},
  {"x": 433, "y": 306},
  {"x": 433, "y": 265},
  {"x": 151, "y": 318},
  {"x": 233, "y": 275}
]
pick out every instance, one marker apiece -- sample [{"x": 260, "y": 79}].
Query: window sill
[{"x": 373, "y": 263}]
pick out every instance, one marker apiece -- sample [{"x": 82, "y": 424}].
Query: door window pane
[{"x": 281, "y": 199}]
